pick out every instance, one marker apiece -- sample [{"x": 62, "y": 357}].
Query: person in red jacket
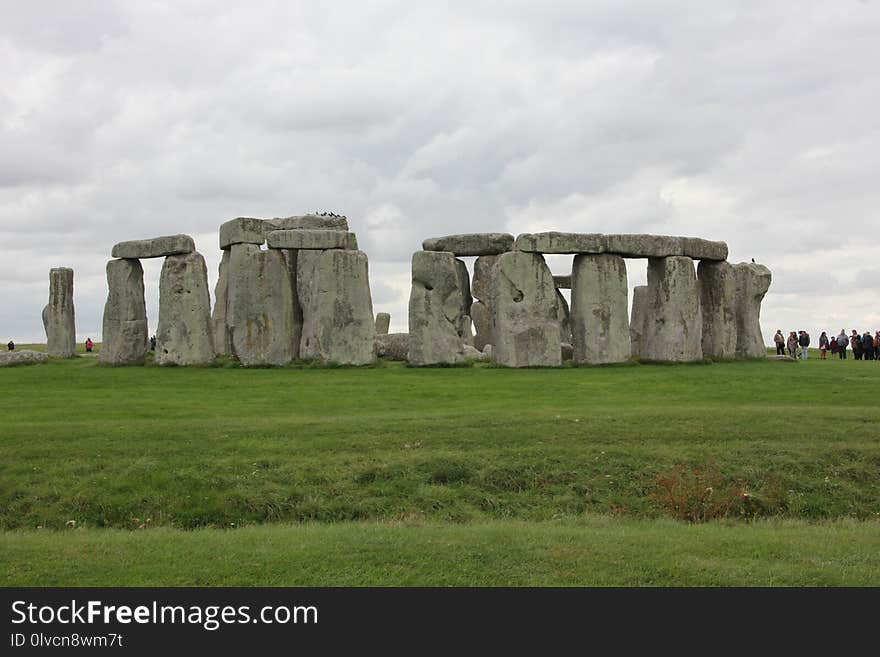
[{"x": 89, "y": 345}]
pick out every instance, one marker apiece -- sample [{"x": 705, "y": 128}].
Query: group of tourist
[{"x": 864, "y": 346}]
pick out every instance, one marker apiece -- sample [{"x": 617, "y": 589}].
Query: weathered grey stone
[
  {"x": 562, "y": 282},
  {"x": 482, "y": 322},
  {"x": 673, "y": 327},
  {"x": 525, "y": 312},
  {"x": 471, "y": 244},
  {"x": 222, "y": 344},
  {"x": 22, "y": 357},
  {"x": 58, "y": 315},
  {"x": 263, "y": 316},
  {"x": 467, "y": 330},
  {"x": 638, "y": 318},
  {"x": 125, "y": 340},
  {"x": 643, "y": 246},
  {"x": 316, "y": 240},
  {"x": 700, "y": 249},
  {"x": 383, "y": 322},
  {"x": 471, "y": 353},
  {"x": 554, "y": 242},
  {"x": 487, "y": 351},
  {"x": 718, "y": 303},
  {"x": 351, "y": 242},
  {"x": 437, "y": 305},
  {"x": 483, "y": 267},
  {"x": 567, "y": 351},
  {"x": 242, "y": 230},
  {"x": 752, "y": 283},
  {"x": 392, "y": 346},
  {"x": 464, "y": 281},
  {"x": 334, "y": 290},
  {"x": 307, "y": 222},
  {"x": 157, "y": 247},
  {"x": 599, "y": 321},
  {"x": 184, "y": 335},
  {"x": 564, "y": 318}
]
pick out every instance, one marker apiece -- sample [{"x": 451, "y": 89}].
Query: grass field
[{"x": 481, "y": 475}]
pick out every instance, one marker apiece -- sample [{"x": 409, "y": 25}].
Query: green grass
[{"x": 400, "y": 456}]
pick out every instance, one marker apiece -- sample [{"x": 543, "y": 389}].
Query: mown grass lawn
[{"x": 409, "y": 458}]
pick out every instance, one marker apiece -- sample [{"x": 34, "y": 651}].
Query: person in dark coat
[{"x": 10, "y": 346}]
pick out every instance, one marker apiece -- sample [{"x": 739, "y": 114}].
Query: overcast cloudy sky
[{"x": 757, "y": 123}]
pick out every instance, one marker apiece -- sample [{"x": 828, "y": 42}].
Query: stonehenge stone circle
[
  {"x": 157, "y": 247},
  {"x": 307, "y": 238},
  {"x": 718, "y": 302},
  {"x": 437, "y": 305},
  {"x": 525, "y": 317},
  {"x": 337, "y": 309},
  {"x": 383, "y": 322},
  {"x": 222, "y": 345},
  {"x": 637, "y": 319},
  {"x": 752, "y": 283},
  {"x": 184, "y": 335},
  {"x": 599, "y": 300},
  {"x": 628, "y": 246},
  {"x": 674, "y": 321},
  {"x": 58, "y": 315},
  {"x": 125, "y": 340},
  {"x": 471, "y": 244},
  {"x": 263, "y": 317}
]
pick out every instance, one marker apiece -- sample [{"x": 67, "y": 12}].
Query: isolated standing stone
[
  {"x": 222, "y": 345},
  {"x": 752, "y": 283},
  {"x": 157, "y": 247},
  {"x": 637, "y": 320},
  {"x": 263, "y": 316},
  {"x": 525, "y": 312},
  {"x": 334, "y": 291},
  {"x": 124, "y": 340},
  {"x": 718, "y": 302},
  {"x": 599, "y": 310},
  {"x": 184, "y": 335},
  {"x": 383, "y": 322},
  {"x": 58, "y": 315},
  {"x": 437, "y": 306},
  {"x": 674, "y": 323},
  {"x": 471, "y": 244}
]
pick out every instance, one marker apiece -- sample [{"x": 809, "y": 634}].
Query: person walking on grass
[
  {"x": 868, "y": 345},
  {"x": 89, "y": 345},
  {"x": 792, "y": 344},
  {"x": 823, "y": 345},
  {"x": 779, "y": 340},
  {"x": 10, "y": 346},
  {"x": 877, "y": 346},
  {"x": 855, "y": 341},
  {"x": 804, "y": 342},
  {"x": 842, "y": 341}
]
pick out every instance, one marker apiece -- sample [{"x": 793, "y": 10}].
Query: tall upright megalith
[
  {"x": 674, "y": 323},
  {"x": 525, "y": 312},
  {"x": 184, "y": 335},
  {"x": 222, "y": 344},
  {"x": 752, "y": 283},
  {"x": 637, "y": 319},
  {"x": 263, "y": 316},
  {"x": 480, "y": 311},
  {"x": 125, "y": 340},
  {"x": 437, "y": 306},
  {"x": 58, "y": 315},
  {"x": 599, "y": 312},
  {"x": 337, "y": 308},
  {"x": 718, "y": 303},
  {"x": 383, "y": 323}
]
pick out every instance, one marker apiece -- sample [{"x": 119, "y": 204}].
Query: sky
[{"x": 755, "y": 123}]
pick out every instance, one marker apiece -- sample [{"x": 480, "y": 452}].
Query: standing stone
[
  {"x": 222, "y": 345},
  {"x": 718, "y": 301},
  {"x": 124, "y": 340},
  {"x": 564, "y": 318},
  {"x": 525, "y": 312},
  {"x": 482, "y": 321},
  {"x": 467, "y": 330},
  {"x": 58, "y": 315},
  {"x": 436, "y": 309},
  {"x": 752, "y": 283},
  {"x": 184, "y": 335},
  {"x": 383, "y": 323},
  {"x": 334, "y": 290},
  {"x": 483, "y": 267},
  {"x": 674, "y": 324},
  {"x": 262, "y": 312},
  {"x": 599, "y": 321},
  {"x": 637, "y": 320}
]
